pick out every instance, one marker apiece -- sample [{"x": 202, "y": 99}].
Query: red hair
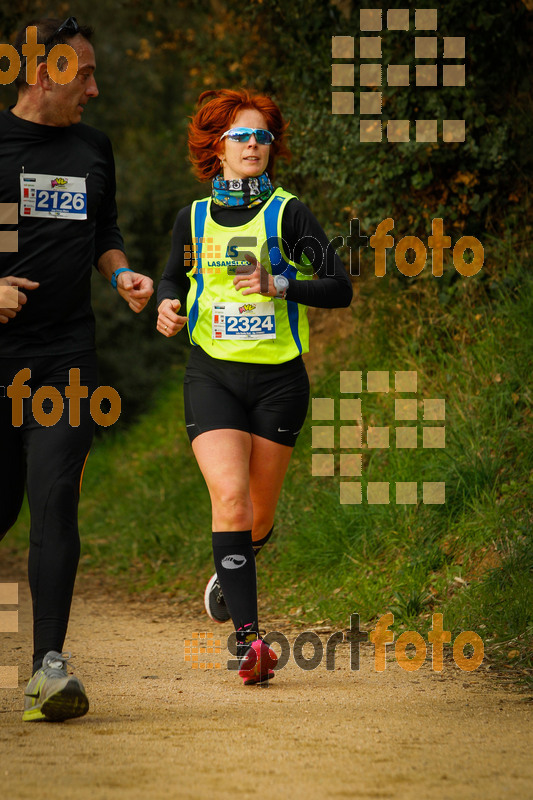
[{"x": 217, "y": 115}]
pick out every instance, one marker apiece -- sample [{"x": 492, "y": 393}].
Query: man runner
[{"x": 59, "y": 175}]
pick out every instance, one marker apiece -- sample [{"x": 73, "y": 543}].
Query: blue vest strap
[
  {"x": 198, "y": 228},
  {"x": 279, "y": 265}
]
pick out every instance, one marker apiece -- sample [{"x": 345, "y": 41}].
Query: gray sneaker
[{"x": 52, "y": 693}]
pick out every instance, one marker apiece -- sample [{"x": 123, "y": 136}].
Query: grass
[{"x": 145, "y": 513}]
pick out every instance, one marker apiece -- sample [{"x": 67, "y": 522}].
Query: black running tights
[{"x": 49, "y": 462}]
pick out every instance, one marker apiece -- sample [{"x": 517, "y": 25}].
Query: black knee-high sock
[
  {"x": 258, "y": 544},
  {"x": 235, "y": 567}
]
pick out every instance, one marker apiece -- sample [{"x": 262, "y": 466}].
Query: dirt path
[{"x": 159, "y": 730}]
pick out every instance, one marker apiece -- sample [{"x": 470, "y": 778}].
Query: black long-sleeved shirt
[
  {"x": 332, "y": 290},
  {"x": 58, "y": 253}
]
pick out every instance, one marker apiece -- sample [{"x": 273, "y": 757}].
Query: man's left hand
[{"x": 136, "y": 289}]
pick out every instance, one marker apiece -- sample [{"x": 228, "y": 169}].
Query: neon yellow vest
[{"x": 214, "y": 259}]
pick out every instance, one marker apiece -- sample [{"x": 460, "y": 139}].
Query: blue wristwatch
[{"x": 116, "y": 273}]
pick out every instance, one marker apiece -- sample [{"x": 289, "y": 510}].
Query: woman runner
[{"x": 243, "y": 260}]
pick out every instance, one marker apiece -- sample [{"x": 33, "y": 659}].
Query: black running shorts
[{"x": 269, "y": 400}]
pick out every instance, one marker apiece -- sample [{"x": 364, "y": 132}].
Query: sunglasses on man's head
[
  {"x": 243, "y": 135},
  {"x": 69, "y": 27}
]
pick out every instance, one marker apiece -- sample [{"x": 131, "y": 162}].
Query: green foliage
[
  {"x": 409, "y": 607},
  {"x": 500, "y": 605},
  {"x": 285, "y": 50}
]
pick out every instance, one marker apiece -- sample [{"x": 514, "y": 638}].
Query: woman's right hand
[{"x": 169, "y": 323}]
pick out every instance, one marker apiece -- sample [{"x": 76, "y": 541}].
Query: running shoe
[
  {"x": 214, "y": 602},
  {"x": 52, "y": 693},
  {"x": 257, "y": 664}
]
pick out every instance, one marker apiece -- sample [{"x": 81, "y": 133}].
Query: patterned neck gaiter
[{"x": 241, "y": 191}]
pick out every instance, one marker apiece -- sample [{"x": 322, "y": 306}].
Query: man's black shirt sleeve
[{"x": 107, "y": 233}]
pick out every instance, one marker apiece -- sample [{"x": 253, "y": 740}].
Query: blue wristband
[{"x": 116, "y": 273}]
